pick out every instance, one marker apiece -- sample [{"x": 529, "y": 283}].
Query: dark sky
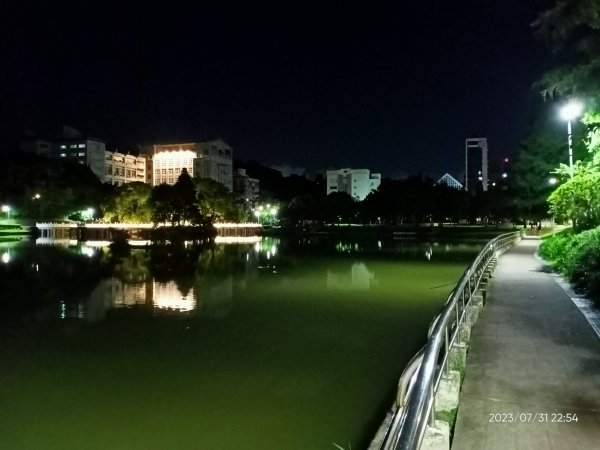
[{"x": 395, "y": 90}]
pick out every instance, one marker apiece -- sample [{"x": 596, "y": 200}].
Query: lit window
[
  {"x": 81, "y": 145},
  {"x": 81, "y": 153},
  {"x": 63, "y": 155},
  {"x": 62, "y": 147}
]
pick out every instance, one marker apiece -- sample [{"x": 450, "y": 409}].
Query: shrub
[
  {"x": 585, "y": 270},
  {"x": 577, "y": 257}
]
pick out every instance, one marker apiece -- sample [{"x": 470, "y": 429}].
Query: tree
[
  {"x": 130, "y": 202},
  {"x": 215, "y": 202},
  {"x": 300, "y": 208},
  {"x": 578, "y": 198},
  {"x": 162, "y": 203},
  {"x": 573, "y": 25},
  {"x": 532, "y": 172},
  {"x": 382, "y": 205},
  {"x": 185, "y": 202},
  {"x": 62, "y": 187},
  {"x": 337, "y": 207}
]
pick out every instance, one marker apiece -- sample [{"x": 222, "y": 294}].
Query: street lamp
[
  {"x": 569, "y": 112},
  {"x": 6, "y": 209},
  {"x": 89, "y": 214}
]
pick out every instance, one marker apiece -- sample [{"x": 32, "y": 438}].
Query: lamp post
[
  {"x": 36, "y": 198},
  {"x": 6, "y": 209},
  {"x": 569, "y": 112}
]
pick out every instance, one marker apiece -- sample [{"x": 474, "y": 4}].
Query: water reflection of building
[
  {"x": 209, "y": 292},
  {"x": 167, "y": 296},
  {"x": 208, "y": 297},
  {"x": 358, "y": 278}
]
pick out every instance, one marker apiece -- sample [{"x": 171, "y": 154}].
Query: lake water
[{"x": 276, "y": 344}]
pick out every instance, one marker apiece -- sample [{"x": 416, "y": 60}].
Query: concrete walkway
[{"x": 532, "y": 360}]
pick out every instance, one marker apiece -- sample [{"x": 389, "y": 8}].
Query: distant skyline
[{"x": 301, "y": 86}]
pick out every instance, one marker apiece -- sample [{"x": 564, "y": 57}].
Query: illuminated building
[
  {"x": 450, "y": 181},
  {"x": 358, "y": 183},
  {"x": 211, "y": 159},
  {"x": 168, "y": 161},
  {"x": 121, "y": 168}
]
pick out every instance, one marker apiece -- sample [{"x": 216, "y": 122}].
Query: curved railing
[{"x": 421, "y": 378}]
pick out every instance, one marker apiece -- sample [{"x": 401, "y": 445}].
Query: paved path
[{"x": 532, "y": 352}]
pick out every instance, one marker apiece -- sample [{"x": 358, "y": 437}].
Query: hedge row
[{"x": 577, "y": 257}]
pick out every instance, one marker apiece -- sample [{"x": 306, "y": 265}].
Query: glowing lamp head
[{"x": 571, "y": 110}]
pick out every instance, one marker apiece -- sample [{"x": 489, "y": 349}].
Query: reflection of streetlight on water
[{"x": 569, "y": 112}]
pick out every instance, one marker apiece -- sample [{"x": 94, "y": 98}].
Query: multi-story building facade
[
  {"x": 122, "y": 168},
  {"x": 169, "y": 160},
  {"x": 215, "y": 161},
  {"x": 85, "y": 150},
  {"x": 212, "y": 159},
  {"x": 246, "y": 190},
  {"x": 358, "y": 183}
]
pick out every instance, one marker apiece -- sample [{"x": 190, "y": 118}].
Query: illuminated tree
[
  {"x": 129, "y": 203},
  {"x": 578, "y": 198},
  {"x": 215, "y": 202}
]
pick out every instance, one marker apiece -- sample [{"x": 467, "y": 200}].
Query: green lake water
[{"x": 277, "y": 344}]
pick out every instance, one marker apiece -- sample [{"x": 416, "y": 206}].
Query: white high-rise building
[{"x": 358, "y": 183}]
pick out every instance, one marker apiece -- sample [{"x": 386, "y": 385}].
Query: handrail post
[
  {"x": 446, "y": 346},
  {"x": 458, "y": 322},
  {"x": 432, "y": 414}
]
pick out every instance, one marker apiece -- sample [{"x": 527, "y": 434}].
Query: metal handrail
[{"x": 420, "y": 380}]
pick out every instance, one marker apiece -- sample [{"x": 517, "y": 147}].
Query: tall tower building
[{"x": 476, "y": 164}]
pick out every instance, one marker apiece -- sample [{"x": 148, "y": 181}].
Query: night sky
[{"x": 394, "y": 90}]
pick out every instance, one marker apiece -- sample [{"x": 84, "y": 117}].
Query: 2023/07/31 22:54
[{"x": 532, "y": 417}]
